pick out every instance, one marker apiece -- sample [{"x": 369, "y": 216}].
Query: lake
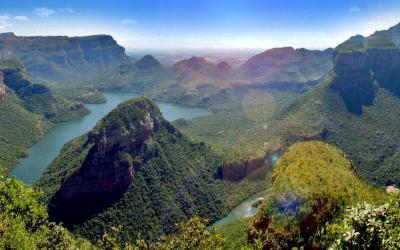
[{"x": 43, "y": 152}]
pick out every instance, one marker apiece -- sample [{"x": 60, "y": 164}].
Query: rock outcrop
[
  {"x": 62, "y": 59},
  {"x": 353, "y": 80},
  {"x": 109, "y": 167},
  {"x": 361, "y": 61},
  {"x": 136, "y": 170}
]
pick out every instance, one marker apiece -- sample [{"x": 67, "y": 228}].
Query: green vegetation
[
  {"x": 240, "y": 126},
  {"x": 24, "y": 221},
  {"x": 173, "y": 177},
  {"x": 26, "y": 112},
  {"x": 84, "y": 94},
  {"x": 366, "y": 226},
  {"x": 312, "y": 183},
  {"x": 19, "y": 129},
  {"x": 38, "y": 98},
  {"x": 24, "y": 224},
  {"x": 235, "y": 234},
  {"x": 191, "y": 234},
  {"x": 360, "y": 43}
]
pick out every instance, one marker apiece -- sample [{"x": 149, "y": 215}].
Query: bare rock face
[
  {"x": 385, "y": 65},
  {"x": 109, "y": 167},
  {"x": 356, "y": 71},
  {"x": 360, "y": 62},
  {"x": 353, "y": 80}
]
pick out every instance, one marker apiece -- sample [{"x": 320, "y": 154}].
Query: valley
[
  {"x": 42, "y": 153},
  {"x": 267, "y": 139}
]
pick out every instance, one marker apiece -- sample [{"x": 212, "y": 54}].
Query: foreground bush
[
  {"x": 367, "y": 227},
  {"x": 24, "y": 221},
  {"x": 192, "y": 234}
]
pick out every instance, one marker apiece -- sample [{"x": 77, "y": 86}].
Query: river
[
  {"x": 44, "y": 151},
  {"x": 244, "y": 210}
]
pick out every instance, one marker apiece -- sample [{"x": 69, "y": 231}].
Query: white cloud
[
  {"x": 66, "y": 10},
  {"x": 5, "y": 17},
  {"x": 44, "y": 12},
  {"x": 21, "y": 18},
  {"x": 354, "y": 9},
  {"x": 4, "y": 21},
  {"x": 128, "y": 21}
]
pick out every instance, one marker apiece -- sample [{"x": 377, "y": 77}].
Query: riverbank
[{"x": 42, "y": 153}]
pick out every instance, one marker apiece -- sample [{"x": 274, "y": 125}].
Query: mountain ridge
[{"x": 62, "y": 59}]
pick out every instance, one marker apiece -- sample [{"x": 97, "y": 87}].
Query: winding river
[{"x": 43, "y": 152}]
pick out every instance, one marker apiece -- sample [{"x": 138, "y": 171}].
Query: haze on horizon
[{"x": 207, "y": 24}]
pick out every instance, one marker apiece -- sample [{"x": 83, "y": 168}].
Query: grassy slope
[{"x": 312, "y": 182}]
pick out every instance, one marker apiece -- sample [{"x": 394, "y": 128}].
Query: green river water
[{"x": 43, "y": 152}]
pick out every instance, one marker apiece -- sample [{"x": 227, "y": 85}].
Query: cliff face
[
  {"x": 136, "y": 170},
  {"x": 385, "y": 65},
  {"x": 353, "y": 80},
  {"x": 113, "y": 146},
  {"x": 109, "y": 167},
  {"x": 361, "y": 61},
  {"x": 62, "y": 59},
  {"x": 356, "y": 72}
]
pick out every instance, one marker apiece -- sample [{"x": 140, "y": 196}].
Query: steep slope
[
  {"x": 136, "y": 170},
  {"x": 361, "y": 61},
  {"x": 139, "y": 77},
  {"x": 26, "y": 112},
  {"x": 286, "y": 65},
  {"x": 61, "y": 59},
  {"x": 311, "y": 183},
  {"x": 19, "y": 128},
  {"x": 38, "y": 98},
  {"x": 356, "y": 107},
  {"x": 194, "y": 79},
  {"x": 369, "y": 139}
]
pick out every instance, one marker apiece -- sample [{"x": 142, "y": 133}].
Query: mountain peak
[
  {"x": 224, "y": 66},
  {"x": 279, "y": 51},
  {"x": 194, "y": 63},
  {"x": 130, "y": 117},
  {"x": 147, "y": 62}
]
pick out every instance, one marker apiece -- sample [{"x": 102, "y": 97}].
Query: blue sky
[{"x": 201, "y": 24}]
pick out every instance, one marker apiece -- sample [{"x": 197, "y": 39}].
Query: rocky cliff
[
  {"x": 136, "y": 170},
  {"x": 353, "y": 80},
  {"x": 361, "y": 61},
  {"x": 62, "y": 59}
]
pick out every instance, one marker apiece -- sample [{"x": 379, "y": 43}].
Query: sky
[{"x": 203, "y": 24}]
